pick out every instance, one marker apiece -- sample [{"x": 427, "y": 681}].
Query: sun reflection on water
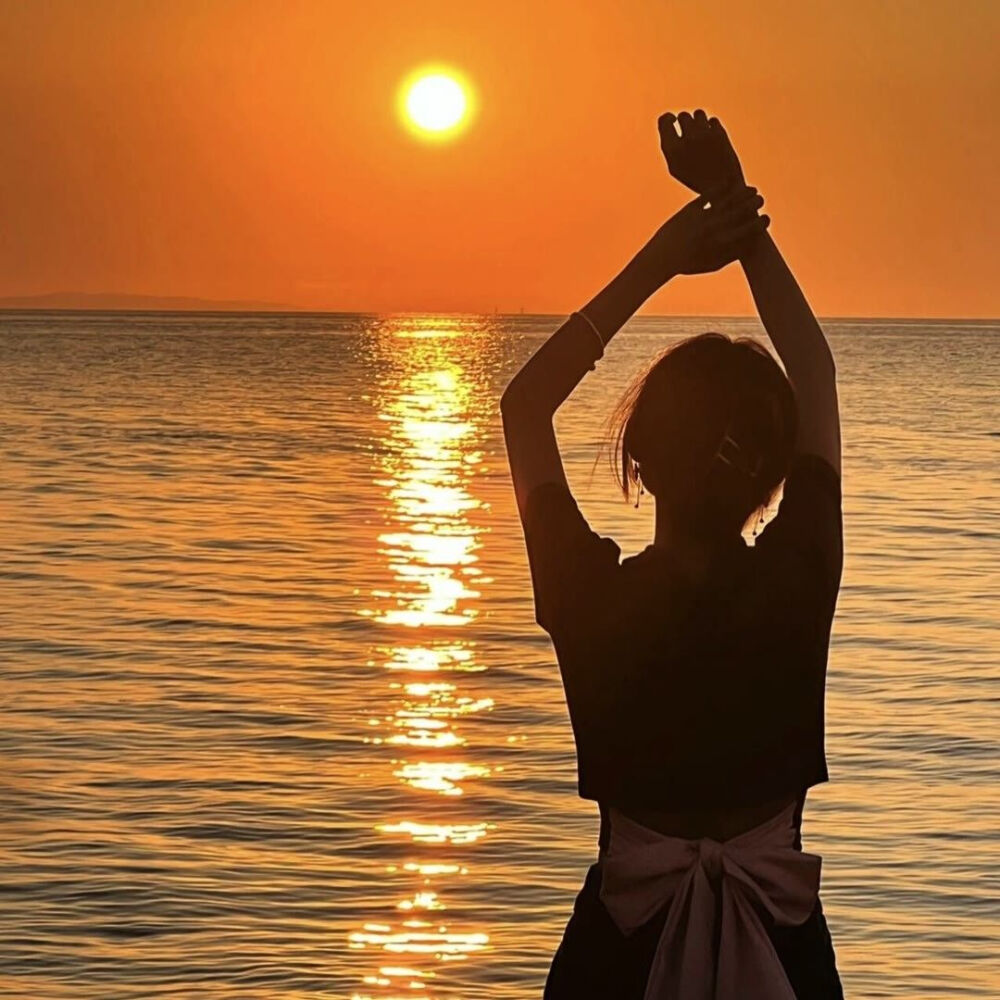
[{"x": 430, "y": 411}]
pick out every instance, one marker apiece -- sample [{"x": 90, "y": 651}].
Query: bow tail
[
  {"x": 679, "y": 965},
  {"x": 749, "y": 967}
]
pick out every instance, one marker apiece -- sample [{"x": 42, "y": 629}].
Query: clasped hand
[{"x": 722, "y": 223}]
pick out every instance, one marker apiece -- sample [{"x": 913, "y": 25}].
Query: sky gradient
[{"x": 240, "y": 150}]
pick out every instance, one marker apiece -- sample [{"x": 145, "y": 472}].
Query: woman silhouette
[{"x": 695, "y": 670}]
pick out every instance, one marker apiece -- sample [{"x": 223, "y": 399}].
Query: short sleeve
[
  {"x": 571, "y": 565},
  {"x": 805, "y": 539}
]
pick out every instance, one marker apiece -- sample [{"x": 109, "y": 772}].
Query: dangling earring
[
  {"x": 760, "y": 520},
  {"x": 639, "y": 493}
]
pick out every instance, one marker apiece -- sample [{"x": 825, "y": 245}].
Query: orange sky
[{"x": 251, "y": 150}]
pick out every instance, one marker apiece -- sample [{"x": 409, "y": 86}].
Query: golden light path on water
[{"x": 425, "y": 463}]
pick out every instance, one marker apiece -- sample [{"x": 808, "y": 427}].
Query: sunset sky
[{"x": 252, "y": 150}]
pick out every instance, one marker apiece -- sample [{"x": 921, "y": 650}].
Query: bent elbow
[
  {"x": 510, "y": 395},
  {"x": 523, "y": 400},
  {"x": 831, "y": 363},
  {"x": 506, "y": 400},
  {"x": 515, "y": 399}
]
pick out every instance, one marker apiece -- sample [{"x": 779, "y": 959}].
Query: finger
[
  {"x": 667, "y": 125},
  {"x": 723, "y": 224},
  {"x": 700, "y": 120},
  {"x": 716, "y": 126},
  {"x": 741, "y": 210},
  {"x": 744, "y": 231},
  {"x": 725, "y": 213},
  {"x": 735, "y": 195},
  {"x": 736, "y": 211},
  {"x": 686, "y": 121}
]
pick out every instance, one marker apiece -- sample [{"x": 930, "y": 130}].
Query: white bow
[{"x": 643, "y": 870}]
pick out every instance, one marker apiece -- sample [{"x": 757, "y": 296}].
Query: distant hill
[{"x": 113, "y": 300}]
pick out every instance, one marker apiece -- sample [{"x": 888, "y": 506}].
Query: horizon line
[{"x": 286, "y": 311}]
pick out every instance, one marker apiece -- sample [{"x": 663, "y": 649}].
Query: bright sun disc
[{"x": 435, "y": 103}]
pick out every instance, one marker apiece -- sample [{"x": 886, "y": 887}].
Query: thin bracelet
[{"x": 590, "y": 323}]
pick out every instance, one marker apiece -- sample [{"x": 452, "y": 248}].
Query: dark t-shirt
[{"x": 684, "y": 695}]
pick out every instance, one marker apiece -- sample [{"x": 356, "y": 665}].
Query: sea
[{"x": 276, "y": 719}]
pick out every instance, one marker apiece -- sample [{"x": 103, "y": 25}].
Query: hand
[
  {"x": 705, "y": 237},
  {"x": 701, "y": 156}
]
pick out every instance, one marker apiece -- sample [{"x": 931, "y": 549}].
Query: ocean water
[{"x": 275, "y": 717}]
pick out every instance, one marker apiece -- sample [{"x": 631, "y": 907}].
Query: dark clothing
[
  {"x": 683, "y": 696},
  {"x": 596, "y": 961},
  {"x": 687, "y": 695}
]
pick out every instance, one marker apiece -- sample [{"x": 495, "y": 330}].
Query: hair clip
[
  {"x": 733, "y": 459},
  {"x": 726, "y": 439}
]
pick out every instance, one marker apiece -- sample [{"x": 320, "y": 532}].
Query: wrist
[{"x": 720, "y": 191}]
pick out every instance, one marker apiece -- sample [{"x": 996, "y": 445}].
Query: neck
[{"x": 687, "y": 549}]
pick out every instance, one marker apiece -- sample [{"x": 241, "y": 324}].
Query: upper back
[{"x": 682, "y": 691}]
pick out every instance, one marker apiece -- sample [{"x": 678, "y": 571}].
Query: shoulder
[
  {"x": 574, "y": 570},
  {"x": 552, "y": 513},
  {"x": 811, "y": 494},
  {"x": 810, "y": 470},
  {"x": 804, "y": 541},
  {"x": 550, "y": 495}
]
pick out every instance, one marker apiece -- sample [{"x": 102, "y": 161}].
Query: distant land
[
  {"x": 120, "y": 302},
  {"x": 113, "y": 301}
]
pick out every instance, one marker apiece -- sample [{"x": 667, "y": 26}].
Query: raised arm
[
  {"x": 696, "y": 240},
  {"x": 802, "y": 347},
  {"x": 530, "y": 401},
  {"x": 700, "y": 155}
]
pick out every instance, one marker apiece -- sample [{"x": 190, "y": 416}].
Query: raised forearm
[
  {"x": 621, "y": 298},
  {"x": 802, "y": 347},
  {"x": 558, "y": 366},
  {"x": 785, "y": 313}
]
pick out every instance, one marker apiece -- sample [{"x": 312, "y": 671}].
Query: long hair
[{"x": 709, "y": 427}]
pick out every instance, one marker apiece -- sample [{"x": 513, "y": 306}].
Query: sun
[{"x": 436, "y": 103}]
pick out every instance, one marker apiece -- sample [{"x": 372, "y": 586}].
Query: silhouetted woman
[{"x": 694, "y": 671}]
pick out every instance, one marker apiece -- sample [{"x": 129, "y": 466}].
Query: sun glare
[{"x": 436, "y": 103}]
